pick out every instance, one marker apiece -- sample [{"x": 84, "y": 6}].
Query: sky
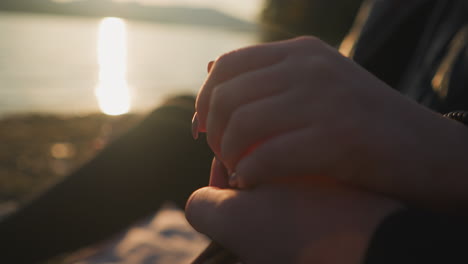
[{"x": 245, "y": 9}]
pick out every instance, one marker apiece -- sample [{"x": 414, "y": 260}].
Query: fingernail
[
  {"x": 210, "y": 65},
  {"x": 195, "y": 125},
  {"x": 233, "y": 179}
]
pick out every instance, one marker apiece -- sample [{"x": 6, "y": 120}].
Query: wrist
[
  {"x": 422, "y": 163},
  {"x": 350, "y": 243}
]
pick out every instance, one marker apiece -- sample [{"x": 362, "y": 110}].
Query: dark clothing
[
  {"x": 419, "y": 47},
  {"x": 413, "y": 236}
]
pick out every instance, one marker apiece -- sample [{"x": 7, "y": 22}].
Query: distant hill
[{"x": 103, "y": 8}]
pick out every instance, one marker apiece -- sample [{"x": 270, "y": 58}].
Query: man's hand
[
  {"x": 296, "y": 108},
  {"x": 290, "y": 223}
]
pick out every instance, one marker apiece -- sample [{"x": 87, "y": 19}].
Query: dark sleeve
[
  {"x": 157, "y": 161},
  {"x": 413, "y": 236}
]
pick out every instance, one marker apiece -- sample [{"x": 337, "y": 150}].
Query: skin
[
  {"x": 317, "y": 222},
  {"x": 317, "y": 143},
  {"x": 298, "y": 109},
  {"x": 321, "y": 222}
]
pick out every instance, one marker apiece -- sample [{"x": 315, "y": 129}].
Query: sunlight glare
[{"x": 112, "y": 92}]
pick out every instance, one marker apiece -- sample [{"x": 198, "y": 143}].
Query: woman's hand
[
  {"x": 290, "y": 224},
  {"x": 299, "y": 108}
]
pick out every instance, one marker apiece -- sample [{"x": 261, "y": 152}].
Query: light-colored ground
[{"x": 165, "y": 238}]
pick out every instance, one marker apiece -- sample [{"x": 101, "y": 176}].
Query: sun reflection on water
[{"x": 112, "y": 92}]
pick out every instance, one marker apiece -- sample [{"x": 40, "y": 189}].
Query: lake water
[{"x": 51, "y": 63}]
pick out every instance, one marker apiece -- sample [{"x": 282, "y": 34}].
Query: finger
[
  {"x": 308, "y": 152},
  {"x": 215, "y": 212},
  {"x": 255, "y": 123},
  {"x": 209, "y": 66},
  {"x": 229, "y": 66},
  {"x": 244, "y": 89},
  {"x": 248, "y": 59},
  {"x": 238, "y": 219},
  {"x": 218, "y": 176}
]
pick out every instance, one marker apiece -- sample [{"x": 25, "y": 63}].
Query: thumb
[
  {"x": 225, "y": 215},
  {"x": 242, "y": 221},
  {"x": 212, "y": 211}
]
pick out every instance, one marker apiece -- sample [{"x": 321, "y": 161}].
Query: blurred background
[{"x": 74, "y": 74}]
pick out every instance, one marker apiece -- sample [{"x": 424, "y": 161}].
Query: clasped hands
[{"x": 313, "y": 152}]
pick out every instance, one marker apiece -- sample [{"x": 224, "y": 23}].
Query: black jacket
[{"x": 419, "y": 47}]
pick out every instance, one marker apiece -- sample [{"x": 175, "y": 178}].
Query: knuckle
[
  {"x": 240, "y": 121},
  {"x": 220, "y": 105},
  {"x": 219, "y": 97},
  {"x": 220, "y": 109},
  {"x": 321, "y": 66},
  {"x": 223, "y": 60},
  {"x": 262, "y": 160},
  {"x": 283, "y": 74},
  {"x": 309, "y": 41},
  {"x": 237, "y": 135}
]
